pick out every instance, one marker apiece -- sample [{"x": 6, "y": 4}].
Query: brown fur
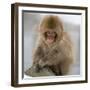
[{"x": 57, "y": 56}]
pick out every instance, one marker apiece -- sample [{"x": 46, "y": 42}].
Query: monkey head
[
  {"x": 51, "y": 29},
  {"x": 50, "y": 36}
]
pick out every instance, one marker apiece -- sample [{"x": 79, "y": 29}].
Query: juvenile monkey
[{"x": 54, "y": 48}]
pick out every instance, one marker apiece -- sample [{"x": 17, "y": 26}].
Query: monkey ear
[{"x": 40, "y": 29}]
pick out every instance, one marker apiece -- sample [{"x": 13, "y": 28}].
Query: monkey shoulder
[
  {"x": 66, "y": 45},
  {"x": 66, "y": 38}
]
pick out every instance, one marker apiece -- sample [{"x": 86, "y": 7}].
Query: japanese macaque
[{"x": 54, "y": 49}]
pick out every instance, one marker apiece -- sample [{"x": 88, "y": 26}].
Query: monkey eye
[{"x": 48, "y": 32}]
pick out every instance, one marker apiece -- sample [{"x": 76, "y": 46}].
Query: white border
[{"x": 51, "y": 78}]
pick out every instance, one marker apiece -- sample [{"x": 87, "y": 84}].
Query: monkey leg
[
  {"x": 56, "y": 69},
  {"x": 65, "y": 66}
]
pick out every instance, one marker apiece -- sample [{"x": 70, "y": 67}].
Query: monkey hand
[
  {"x": 42, "y": 63},
  {"x": 37, "y": 68}
]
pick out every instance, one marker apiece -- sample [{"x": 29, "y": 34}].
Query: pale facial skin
[{"x": 50, "y": 37}]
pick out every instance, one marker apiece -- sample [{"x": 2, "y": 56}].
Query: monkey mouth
[{"x": 50, "y": 39}]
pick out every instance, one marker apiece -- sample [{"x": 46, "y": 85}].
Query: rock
[{"x": 43, "y": 72}]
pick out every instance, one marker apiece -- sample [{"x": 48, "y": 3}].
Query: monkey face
[{"x": 50, "y": 36}]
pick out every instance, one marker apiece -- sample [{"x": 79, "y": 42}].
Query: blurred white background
[
  {"x": 5, "y": 45},
  {"x": 71, "y": 25}
]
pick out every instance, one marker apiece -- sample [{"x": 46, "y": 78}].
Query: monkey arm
[
  {"x": 51, "y": 58},
  {"x": 38, "y": 54},
  {"x": 56, "y": 56},
  {"x": 40, "y": 59}
]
